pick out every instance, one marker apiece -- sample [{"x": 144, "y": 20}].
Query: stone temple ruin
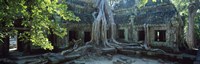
[
  {"x": 161, "y": 20},
  {"x": 157, "y": 23}
]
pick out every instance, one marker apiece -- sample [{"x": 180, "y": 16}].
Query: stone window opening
[
  {"x": 160, "y": 35},
  {"x": 141, "y": 35},
  {"x": 12, "y": 43}
]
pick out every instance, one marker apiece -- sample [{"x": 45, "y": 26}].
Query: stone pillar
[
  {"x": 126, "y": 34},
  {"x": 148, "y": 35},
  {"x": 81, "y": 36},
  {"x": 130, "y": 33},
  {"x": 133, "y": 29}
]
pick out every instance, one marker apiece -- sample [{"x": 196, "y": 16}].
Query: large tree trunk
[
  {"x": 100, "y": 24},
  {"x": 190, "y": 33},
  {"x": 103, "y": 19},
  {"x": 146, "y": 41}
]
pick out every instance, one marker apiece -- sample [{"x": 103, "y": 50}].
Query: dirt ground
[{"x": 118, "y": 59}]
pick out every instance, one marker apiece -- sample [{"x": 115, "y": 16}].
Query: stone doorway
[
  {"x": 141, "y": 35},
  {"x": 87, "y": 36}
]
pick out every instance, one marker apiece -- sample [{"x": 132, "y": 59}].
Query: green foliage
[
  {"x": 154, "y": 0},
  {"x": 142, "y": 3},
  {"x": 39, "y": 16},
  {"x": 182, "y": 7},
  {"x": 197, "y": 26}
]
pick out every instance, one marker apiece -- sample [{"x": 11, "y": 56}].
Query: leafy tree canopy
[
  {"x": 182, "y": 7},
  {"x": 142, "y": 3},
  {"x": 39, "y": 16}
]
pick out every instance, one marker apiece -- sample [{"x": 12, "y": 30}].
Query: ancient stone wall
[
  {"x": 162, "y": 17},
  {"x": 170, "y": 36},
  {"x": 126, "y": 32},
  {"x": 77, "y": 30}
]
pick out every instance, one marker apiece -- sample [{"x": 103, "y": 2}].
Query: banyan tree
[{"x": 103, "y": 20}]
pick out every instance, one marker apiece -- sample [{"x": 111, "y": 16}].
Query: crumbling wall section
[{"x": 79, "y": 29}]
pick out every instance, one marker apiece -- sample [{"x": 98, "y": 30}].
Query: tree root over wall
[
  {"x": 103, "y": 21},
  {"x": 99, "y": 43}
]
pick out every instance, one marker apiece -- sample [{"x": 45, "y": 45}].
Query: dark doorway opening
[
  {"x": 160, "y": 35},
  {"x": 121, "y": 34},
  {"x": 73, "y": 35},
  {"x": 141, "y": 35},
  {"x": 87, "y": 36}
]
